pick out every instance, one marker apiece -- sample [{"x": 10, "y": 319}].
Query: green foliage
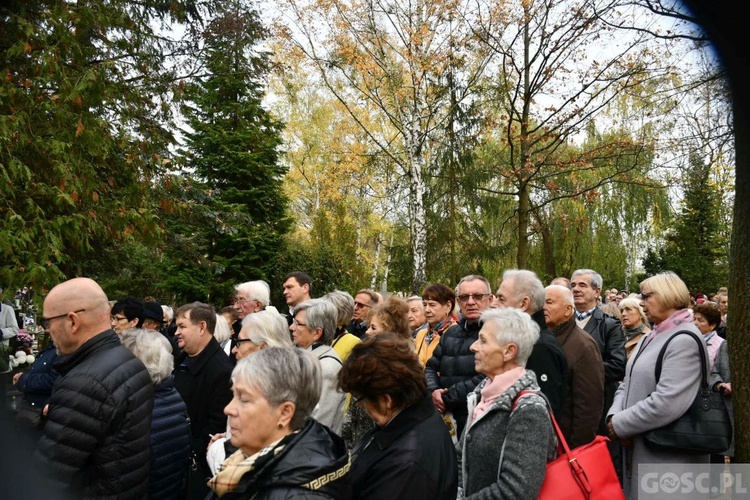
[
  {"x": 84, "y": 124},
  {"x": 233, "y": 213},
  {"x": 694, "y": 249}
]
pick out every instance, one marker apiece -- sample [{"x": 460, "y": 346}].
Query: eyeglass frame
[
  {"x": 466, "y": 296},
  {"x": 238, "y": 342},
  {"x": 297, "y": 323},
  {"x": 361, "y": 304},
  {"x": 45, "y": 322},
  {"x": 112, "y": 318},
  {"x": 242, "y": 301}
]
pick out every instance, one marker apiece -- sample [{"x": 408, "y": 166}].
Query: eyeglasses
[
  {"x": 238, "y": 342},
  {"x": 476, "y": 296},
  {"x": 360, "y": 305},
  {"x": 645, "y": 295},
  {"x": 243, "y": 301},
  {"x": 297, "y": 323},
  {"x": 45, "y": 322},
  {"x": 357, "y": 400},
  {"x": 117, "y": 319}
]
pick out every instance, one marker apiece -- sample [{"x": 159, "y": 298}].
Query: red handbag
[{"x": 586, "y": 472}]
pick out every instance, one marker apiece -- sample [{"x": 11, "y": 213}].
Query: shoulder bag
[
  {"x": 586, "y": 472},
  {"x": 704, "y": 428}
]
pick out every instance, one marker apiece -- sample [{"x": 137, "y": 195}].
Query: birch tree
[{"x": 384, "y": 60}]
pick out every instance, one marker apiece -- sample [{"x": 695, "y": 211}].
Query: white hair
[{"x": 511, "y": 325}]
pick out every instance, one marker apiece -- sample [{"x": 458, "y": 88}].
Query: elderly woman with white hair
[
  {"x": 508, "y": 439},
  {"x": 282, "y": 452},
  {"x": 170, "y": 425},
  {"x": 313, "y": 328},
  {"x": 634, "y": 323},
  {"x": 260, "y": 330}
]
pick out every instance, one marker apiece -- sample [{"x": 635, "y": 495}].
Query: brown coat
[
  {"x": 630, "y": 344},
  {"x": 584, "y": 402}
]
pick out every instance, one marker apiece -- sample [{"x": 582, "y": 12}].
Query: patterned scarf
[
  {"x": 439, "y": 329},
  {"x": 631, "y": 333},
  {"x": 238, "y": 464}
]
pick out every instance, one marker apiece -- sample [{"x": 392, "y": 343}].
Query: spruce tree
[
  {"x": 693, "y": 249},
  {"x": 238, "y": 211}
]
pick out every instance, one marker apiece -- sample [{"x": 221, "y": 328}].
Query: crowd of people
[{"x": 439, "y": 396}]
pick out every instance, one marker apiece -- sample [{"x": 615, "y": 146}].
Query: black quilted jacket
[
  {"x": 96, "y": 439},
  {"x": 452, "y": 367}
]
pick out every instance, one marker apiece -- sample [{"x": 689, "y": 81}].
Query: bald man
[{"x": 96, "y": 438}]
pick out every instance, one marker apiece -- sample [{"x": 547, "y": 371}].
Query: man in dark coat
[
  {"x": 584, "y": 398},
  {"x": 522, "y": 289},
  {"x": 450, "y": 372},
  {"x": 96, "y": 439},
  {"x": 202, "y": 377},
  {"x": 586, "y": 285}
]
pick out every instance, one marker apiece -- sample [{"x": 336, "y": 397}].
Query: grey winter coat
[
  {"x": 641, "y": 405},
  {"x": 504, "y": 453},
  {"x": 719, "y": 374}
]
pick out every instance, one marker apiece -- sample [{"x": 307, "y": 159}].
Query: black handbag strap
[{"x": 701, "y": 350}]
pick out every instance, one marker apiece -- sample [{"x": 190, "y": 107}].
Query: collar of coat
[{"x": 505, "y": 401}]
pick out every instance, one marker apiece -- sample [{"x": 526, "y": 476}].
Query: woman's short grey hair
[
  {"x": 344, "y": 303},
  {"x": 267, "y": 327},
  {"x": 257, "y": 290},
  {"x": 416, "y": 298},
  {"x": 634, "y": 304},
  {"x": 511, "y": 325},
  {"x": 527, "y": 284},
  {"x": 222, "y": 330},
  {"x": 321, "y": 313},
  {"x": 281, "y": 375},
  {"x": 153, "y": 349}
]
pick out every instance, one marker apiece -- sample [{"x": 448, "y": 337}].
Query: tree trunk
[
  {"x": 418, "y": 227},
  {"x": 548, "y": 245},
  {"x": 374, "y": 280},
  {"x": 738, "y": 317},
  {"x": 523, "y": 226}
]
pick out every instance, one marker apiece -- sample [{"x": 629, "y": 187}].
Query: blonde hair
[
  {"x": 634, "y": 304},
  {"x": 670, "y": 290}
]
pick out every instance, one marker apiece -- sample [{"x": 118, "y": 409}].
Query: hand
[
  {"x": 216, "y": 437},
  {"x": 45, "y": 410},
  {"x": 16, "y": 377},
  {"x": 437, "y": 399},
  {"x": 613, "y": 435},
  {"x": 611, "y": 430},
  {"x": 725, "y": 388}
]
